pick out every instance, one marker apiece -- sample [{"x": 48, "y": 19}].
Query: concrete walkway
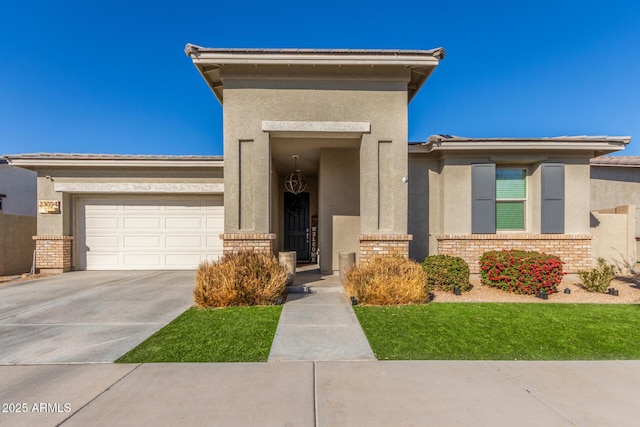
[
  {"x": 401, "y": 393},
  {"x": 319, "y": 325}
]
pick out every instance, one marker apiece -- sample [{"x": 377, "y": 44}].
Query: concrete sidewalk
[
  {"x": 434, "y": 393},
  {"x": 319, "y": 326}
]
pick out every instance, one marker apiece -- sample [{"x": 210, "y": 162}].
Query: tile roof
[
  {"x": 576, "y": 138},
  {"x": 620, "y": 161},
  {"x": 88, "y": 156}
]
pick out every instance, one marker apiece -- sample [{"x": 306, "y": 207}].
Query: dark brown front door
[{"x": 296, "y": 224}]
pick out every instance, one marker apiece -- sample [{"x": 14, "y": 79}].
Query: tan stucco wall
[
  {"x": 440, "y": 197},
  {"x": 16, "y": 243},
  {"x": 614, "y": 236},
  {"x": 423, "y": 201},
  {"x": 376, "y": 96},
  {"x": 277, "y": 220},
  {"x": 617, "y": 186},
  {"x": 614, "y": 186},
  {"x": 346, "y": 230},
  {"x": 577, "y": 190},
  {"x": 339, "y": 195},
  {"x": 456, "y": 196}
]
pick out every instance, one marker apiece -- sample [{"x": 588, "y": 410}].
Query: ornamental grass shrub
[
  {"x": 521, "y": 272},
  {"x": 599, "y": 278},
  {"x": 445, "y": 272},
  {"x": 387, "y": 280},
  {"x": 242, "y": 279}
]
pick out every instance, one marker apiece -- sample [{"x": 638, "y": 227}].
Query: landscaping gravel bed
[{"x": 628, "y": 287}]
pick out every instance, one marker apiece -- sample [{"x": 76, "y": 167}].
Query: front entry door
[{"x": 296, "y": 224}]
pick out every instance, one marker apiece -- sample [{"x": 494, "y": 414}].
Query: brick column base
[
  {"x": 383, "y": 244},
  {"x": 53, "y": 254},
  {"x": 573, "y": 249},
  {"x": 240, "y": 242}
]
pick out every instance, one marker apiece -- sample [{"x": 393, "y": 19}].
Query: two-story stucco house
[{"x": 339, "y": 117}]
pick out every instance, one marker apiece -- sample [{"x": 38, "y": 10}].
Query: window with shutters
[
  {"x": 499, "y": 198},
  {"x": 511, "y": 199}
]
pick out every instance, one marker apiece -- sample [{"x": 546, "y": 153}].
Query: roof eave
[
  {"x": 600, "y": 147},
  {"x": 422, "y": 63},
  {"x": 30, "y": 163}
]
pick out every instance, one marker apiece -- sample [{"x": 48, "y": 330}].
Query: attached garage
[{"x": 148, "y": 233}]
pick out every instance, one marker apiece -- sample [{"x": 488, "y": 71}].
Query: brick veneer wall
[
  {"x": 383, "y": 244},
  {"x": 239, "y": 242},
  {"x": 573, "y": 249},
  {"x": 53, "y": 253}
]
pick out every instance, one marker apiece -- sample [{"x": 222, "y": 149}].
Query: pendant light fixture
[{"x": 295, "y": 182}]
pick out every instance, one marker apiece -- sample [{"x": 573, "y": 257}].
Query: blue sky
[{"x": 112, "y": 77}]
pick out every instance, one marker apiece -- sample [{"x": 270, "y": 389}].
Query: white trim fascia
[
  {"x": 120, "y": 163},
  {"x": 523, "y": 145},
  {"x": 125, "y": 187},
  {"x": 220, "y": 58}
]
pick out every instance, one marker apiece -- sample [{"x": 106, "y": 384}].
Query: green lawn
[
  {"x": 237, "y": 334},
  {"x": 487, "y": 331}
]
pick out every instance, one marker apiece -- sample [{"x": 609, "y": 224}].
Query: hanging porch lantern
[{"x": 295, "y": 182}]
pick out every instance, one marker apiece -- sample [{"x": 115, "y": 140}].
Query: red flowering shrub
[{"x": 521, "y": 272}]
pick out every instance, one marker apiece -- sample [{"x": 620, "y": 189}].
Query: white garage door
[{"x": 149, "y": 233}]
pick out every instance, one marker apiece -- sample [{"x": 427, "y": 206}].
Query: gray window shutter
[
  {"x": 552, "y": 198},
  {"x": 483, "y": 190}
]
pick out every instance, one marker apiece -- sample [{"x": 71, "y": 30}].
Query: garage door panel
[
  {"x": 149, "y": 232},
  {"x": 183, "y": 260},
  {"x": 141, "y": 260},
  {"x": 215, "y": 223},
  {"x": 214, "y": 242},
  {"x": 141, "y": 242},
  {"x": 108, "y": 223},
  {"x": 102, "y": 261},
  {"x": 174, "y": 242},
  {"x": 184, "y": 223},
  {"x": 109, "y": 242},
  {"x": 140, "y": 207},
  {"x": 133, "y": 223}
]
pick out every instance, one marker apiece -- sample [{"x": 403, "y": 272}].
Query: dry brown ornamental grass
[
  {"x": 387, "y": 280},
  {"x": 246, "y": 278}
]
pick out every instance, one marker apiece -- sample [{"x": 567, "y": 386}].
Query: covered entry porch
[{"x": 344, "y": 114}]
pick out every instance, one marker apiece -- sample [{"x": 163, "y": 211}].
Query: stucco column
[
  {"x": 247, "y": 179},
  {"x": 384, "y": 195}
]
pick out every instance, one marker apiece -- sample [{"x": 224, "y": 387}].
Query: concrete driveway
[{"x": 88, "y": 316}]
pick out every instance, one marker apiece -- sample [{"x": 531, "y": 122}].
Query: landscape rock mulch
[{"x": 628, "y": 288}]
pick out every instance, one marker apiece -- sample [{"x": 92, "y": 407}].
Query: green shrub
[
  {"x": 246, "y": 278},
  {"x": 597, "y": 279},
  {"x": 521, "y": 272},
  {"x": 387, "y": 280},
  {"x": 445, "y": 271}
]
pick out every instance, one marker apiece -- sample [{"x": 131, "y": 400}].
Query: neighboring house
[
  {"x": 363, "y": 187},
  {"x": 17, "y": 218},
  {"x": 615, "y": 185}
]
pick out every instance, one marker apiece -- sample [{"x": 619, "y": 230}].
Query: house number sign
[{"x": 49, "y": 206}]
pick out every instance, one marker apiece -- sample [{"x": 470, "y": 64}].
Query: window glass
[
  {"x": 509, "y": 215},
  {"x": 511, "y": 193},
  {"x": 510, "y": 184}
]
